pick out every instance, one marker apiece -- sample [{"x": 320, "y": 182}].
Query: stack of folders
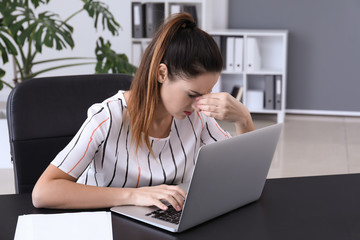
[
  {"x": 273, "y": 92},
  {"x": 146, "y": 19},
  {"x": 232, "y": 51},
  {"x": 234, "y": 54}
]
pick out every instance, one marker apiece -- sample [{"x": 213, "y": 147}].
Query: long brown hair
[{"x": 186, "y": 50}]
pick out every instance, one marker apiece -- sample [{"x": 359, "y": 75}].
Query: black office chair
[{"x": 44, "y": 114}]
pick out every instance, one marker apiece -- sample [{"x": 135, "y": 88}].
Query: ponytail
[{"x": 186, "y": 50}]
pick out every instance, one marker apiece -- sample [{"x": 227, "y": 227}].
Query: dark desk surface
[{"x": 326, "y": 207}]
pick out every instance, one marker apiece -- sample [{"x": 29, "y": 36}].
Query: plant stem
[
  {"x": 27, "y": 64},
  {"x": 71, "y": 16},
  {"x": 21, "y": 72},
  {"x": 15, "y": 71},
  {"x": 58, "y": 67},
  {"x": 61, "y": 59},
  {"x": 7, "y": 84}
]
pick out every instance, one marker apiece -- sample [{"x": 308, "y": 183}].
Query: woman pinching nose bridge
[{"x": 135, "y": 147}]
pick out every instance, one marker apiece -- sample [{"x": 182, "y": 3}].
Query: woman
[{"x": 135, "y": 146}]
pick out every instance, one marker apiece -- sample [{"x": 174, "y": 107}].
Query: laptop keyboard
[{"x": 170, "y": 215}]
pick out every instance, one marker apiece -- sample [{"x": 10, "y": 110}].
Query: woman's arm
[
  {"x": 56, "y": 189},
  {"x": 223, "y": 106}
]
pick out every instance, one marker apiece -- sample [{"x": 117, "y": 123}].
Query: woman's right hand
[{"x": 153, "y": 196}]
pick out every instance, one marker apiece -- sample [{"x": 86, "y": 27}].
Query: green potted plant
[{"x": 24, "y": 33}]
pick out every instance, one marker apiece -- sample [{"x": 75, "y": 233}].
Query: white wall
[{"x": 5, "y": 161}]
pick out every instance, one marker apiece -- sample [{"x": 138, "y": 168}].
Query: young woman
[{"x": 137, "y": 145}]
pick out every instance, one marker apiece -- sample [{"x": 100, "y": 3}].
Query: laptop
[{"x": 228, "y": 174}]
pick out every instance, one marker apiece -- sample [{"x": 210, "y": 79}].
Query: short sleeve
[
  {"x": 78, "y": 154},
  {"x": 212, "y": 132}
]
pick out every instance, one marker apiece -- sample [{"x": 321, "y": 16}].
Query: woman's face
[{"x": 179, "y": 95}]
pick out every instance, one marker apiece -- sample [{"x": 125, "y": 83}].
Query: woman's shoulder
[
  {"x": 118, "y": 97},
  {"x": 112, "y": 105}
]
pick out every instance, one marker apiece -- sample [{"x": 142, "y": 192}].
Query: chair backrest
[{"x": 44, "y": 114}]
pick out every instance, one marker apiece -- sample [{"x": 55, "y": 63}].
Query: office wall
[{"x": 324, "y": 51}]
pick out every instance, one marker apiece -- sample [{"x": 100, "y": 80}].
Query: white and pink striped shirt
[{"x": 102, "y": 153}]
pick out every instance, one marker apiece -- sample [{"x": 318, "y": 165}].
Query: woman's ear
[{"x": 163, "y": 73}]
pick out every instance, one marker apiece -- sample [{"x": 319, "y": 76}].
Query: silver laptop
[{"x": 228, "y": 174}]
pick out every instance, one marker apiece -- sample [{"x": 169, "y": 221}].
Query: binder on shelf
[
  {"x": 253, "y": 55},
  {"x": 230, "y": 45},
  {"x": 278, "y": 92},
  {"x": 154, "y": 16},
  {"x": 239, "y": 49},
  {"x": 137, "y": 20},
  {"x": 223, "y": 50},
  {"x": 192, "y": 10},
  {"x": 269, "y": 92}
]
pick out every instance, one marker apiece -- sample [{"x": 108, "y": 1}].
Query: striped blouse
[{"x": 102, "y": 153}]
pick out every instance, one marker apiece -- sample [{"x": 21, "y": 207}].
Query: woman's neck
[{"x": 161, "y": 123}]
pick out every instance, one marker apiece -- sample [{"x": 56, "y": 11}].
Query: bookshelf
[
  {"x": 139, "y": 43},
  {"x": 258, "y": 64}
]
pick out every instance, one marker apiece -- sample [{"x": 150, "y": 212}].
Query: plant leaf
[
  {"x": 9, "y": 45},
  {"x": 109, "y": 59},
  {"x": 95, "y": 9},
  {"x": 2, "y": 73},
  {"x": 57, "y": 32},
  {"x": 36, "y": 3}
]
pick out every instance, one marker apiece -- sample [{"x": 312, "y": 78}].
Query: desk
[{"x": 326, "y": 207}]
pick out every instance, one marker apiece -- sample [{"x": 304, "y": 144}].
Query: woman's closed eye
[{"x": 193, "y": 96}]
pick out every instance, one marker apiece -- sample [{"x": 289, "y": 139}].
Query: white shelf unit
[
  {"x": 139, "y": 44},
  {"x": 272, "y": 49}
]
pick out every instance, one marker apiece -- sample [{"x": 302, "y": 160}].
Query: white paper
[{"x": 83, "y": 225}]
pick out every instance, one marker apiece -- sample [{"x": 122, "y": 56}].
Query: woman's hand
[
  {"x": 225, "y": 107},
  {"x": 153, "y": 196}
]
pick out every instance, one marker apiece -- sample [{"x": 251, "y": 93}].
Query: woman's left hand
[{"x": 223, "y": 106}]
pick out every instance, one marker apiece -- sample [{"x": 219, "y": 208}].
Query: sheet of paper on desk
[{"x": 82, "y": 225}]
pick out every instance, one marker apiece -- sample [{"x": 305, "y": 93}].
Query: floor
[
  {"x": 308, "y": 146},
  {"x": 314, "y": 145}
]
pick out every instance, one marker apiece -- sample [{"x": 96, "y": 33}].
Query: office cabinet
[{"x": 256, "y": 62}]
